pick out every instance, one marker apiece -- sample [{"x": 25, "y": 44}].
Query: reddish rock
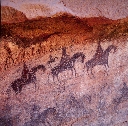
[{"x": 11, "y": 15}]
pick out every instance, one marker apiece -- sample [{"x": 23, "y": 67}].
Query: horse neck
[
  {"x": 106, "y": 52},
  {"x": 110, "y": 48},
  {"x": 73, "y": 59},
  {"x": 77, "y": 55},
  {"x": 34, "y": 70}
]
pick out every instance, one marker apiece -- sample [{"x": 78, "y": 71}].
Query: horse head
[{"x": 111, "y": 47}]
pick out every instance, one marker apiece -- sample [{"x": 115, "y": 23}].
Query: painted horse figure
[
  {"x": 26, "y": 79},
  {"x": 67, "y": 65},
  {"x": 99, "y": 60}
]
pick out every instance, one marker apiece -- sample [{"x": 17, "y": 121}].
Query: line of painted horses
[{"x": 66, "y": 63}]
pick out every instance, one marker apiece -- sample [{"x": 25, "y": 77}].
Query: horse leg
[
  {"x": 107, "y": 65},
  {"x": 58, "y": 79},
  {"x": 92, "y": 73},
  {"x": 18, "y": 89},
  {"x": 12, "y": 59},
  {"x": 48, "y": 78},
  {"x": 84, "y": 67},
  {"x": 35, "y": 85},
  {"x": 74, "y": 70},
  {"x": 53, "y": 78},
  {"x": 6, "y": 64},
  {"x": 88, "y": 70},
  {"x": 106, "y": 68},
  {"x": 46, "y": 121}
]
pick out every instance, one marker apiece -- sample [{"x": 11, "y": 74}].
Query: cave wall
[
  {"x": 84, "y": 99},
  {"x": 89, "y": 93},
  {"x": 114, "y": 9}
]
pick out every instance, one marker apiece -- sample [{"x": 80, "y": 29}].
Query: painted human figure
[
  {"x": 65, "y": 56},
  {"x": 25, "y": 72},
  {"x": 99, "y": 52}
]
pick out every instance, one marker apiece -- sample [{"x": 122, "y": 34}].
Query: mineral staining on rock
[{"x": 64, "y": 71}]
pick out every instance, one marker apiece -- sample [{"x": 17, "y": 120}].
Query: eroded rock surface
[
  {"x": 114, "y": 9},
  {"x": 68, "y": 73},
  {"x": 85, "y": 99}
]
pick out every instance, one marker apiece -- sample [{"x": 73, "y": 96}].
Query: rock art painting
[
  {"x": 100, "y": 57},
  {"x": 64, "y": 63}
]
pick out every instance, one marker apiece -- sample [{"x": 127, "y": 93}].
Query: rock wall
[
  {"x": 88, "y": 99},
  {"x": 42, "y": 84},
  {"x": 114, "y": 9},
  {"x": 11, "y": 15}
]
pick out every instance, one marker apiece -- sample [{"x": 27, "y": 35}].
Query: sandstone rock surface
[
  {"x": 84, "y": 85},
  {"x": 114, "y": 9},
  {"x": 78, "y": 100},
  {"x": 11, "y": 15}
]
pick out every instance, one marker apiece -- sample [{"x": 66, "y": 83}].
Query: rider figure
[
  {"x": 65, "y": 56},
  {"x": 99, "y": 52},
  {"x": 25, "y": 72}
]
